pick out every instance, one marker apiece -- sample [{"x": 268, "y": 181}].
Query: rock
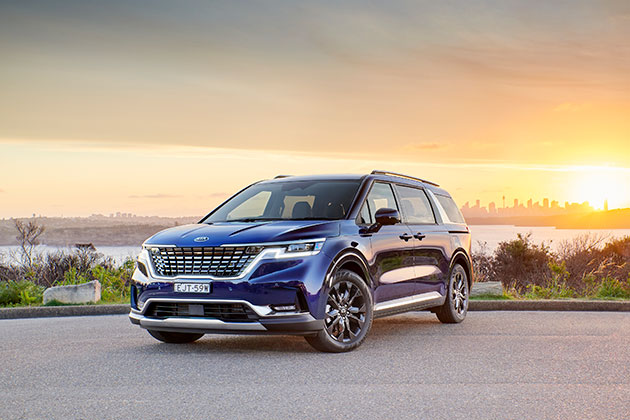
[
  {"x": 80, "y": 293},
  {"x": 487, "y": 288}
]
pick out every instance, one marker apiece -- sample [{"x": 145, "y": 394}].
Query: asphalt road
[{"x": 496, "y": 365}]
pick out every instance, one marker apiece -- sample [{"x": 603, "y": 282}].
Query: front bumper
[{"x": 300, "y": 323}]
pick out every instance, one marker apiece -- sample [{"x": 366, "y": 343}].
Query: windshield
[{"x": 290, "y": 200}]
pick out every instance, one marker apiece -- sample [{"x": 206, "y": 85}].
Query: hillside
[{"x": 99, "y": 231}]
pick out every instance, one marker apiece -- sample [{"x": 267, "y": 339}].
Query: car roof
[{"x": 398, "y": 179}]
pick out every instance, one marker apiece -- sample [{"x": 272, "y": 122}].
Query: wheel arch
[
  {"x": 352, "y": 260},
  {"x": 460, "y": 256}
]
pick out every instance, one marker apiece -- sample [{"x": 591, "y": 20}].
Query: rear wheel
[
  {"x": 175, "y": 337},
  {"x": 455, "y": 306},
  {"x": 348, "y": 314}
]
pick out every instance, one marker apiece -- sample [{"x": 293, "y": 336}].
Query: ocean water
[{"x": 490, "y": 235}]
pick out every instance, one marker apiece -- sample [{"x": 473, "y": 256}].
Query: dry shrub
[
  {"x": 482, "y": 263},
  {"x": 49, "y": 269},
  {"x": 589, "y": 259},
  {"x": 520, "y": 263}
]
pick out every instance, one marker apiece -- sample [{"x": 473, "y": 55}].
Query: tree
[{"x": 28, "y": 237}]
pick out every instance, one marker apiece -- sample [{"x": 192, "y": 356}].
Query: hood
[{"x": 244, "y": 233}]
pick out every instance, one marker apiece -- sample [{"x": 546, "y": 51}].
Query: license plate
[{"x": 192, "y": 287}]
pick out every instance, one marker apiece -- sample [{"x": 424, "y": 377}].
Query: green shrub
[
  {"x": 23, "y": 292},
  {"x": 73, "y": 276},
  {"x": 556, "y": 288},
  {"x": 114, "y": 281},
  {"x": 613, "y": 288}
]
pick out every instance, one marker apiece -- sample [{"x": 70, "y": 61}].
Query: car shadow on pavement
[
  {"x": 410, "y": 324},
  {"x": 231, "y": 343}
]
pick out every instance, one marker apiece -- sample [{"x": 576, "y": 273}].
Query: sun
[{"x": 601, "y": 186}]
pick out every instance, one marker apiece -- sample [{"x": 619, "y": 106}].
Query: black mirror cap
[{"x": 387, "y": 216}]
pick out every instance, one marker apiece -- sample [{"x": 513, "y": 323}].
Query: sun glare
[{"x": 598, "y": 186}]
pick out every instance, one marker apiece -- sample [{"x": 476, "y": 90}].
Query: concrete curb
[
  {"x": 550, "y": 305},
  {"x": 475, "y": 305},
  {"x": 49, "y": 311}
]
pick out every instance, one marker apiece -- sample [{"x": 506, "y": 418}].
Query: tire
[
  {"x": 455, "y": 306},
  {"x": 175, "y": 337},
  {"x": 349, "y": 312}
]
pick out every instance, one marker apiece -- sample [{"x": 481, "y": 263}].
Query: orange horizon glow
[{"x": 115, "y": 107}]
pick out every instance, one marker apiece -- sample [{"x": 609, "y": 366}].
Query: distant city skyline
[{"x": 544, "y": 207}]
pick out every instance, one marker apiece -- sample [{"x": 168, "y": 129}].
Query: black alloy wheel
[
  {"x": 348, "y": 314},
  {"x": 455, "y": 306}
]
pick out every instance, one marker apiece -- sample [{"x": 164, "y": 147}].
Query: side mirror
[{"x": 387, "y": 216}]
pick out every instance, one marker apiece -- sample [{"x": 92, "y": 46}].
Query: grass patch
[{"x": 491, "y": 297}]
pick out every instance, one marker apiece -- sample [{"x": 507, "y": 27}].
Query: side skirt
[{"x": 409, "y": 303}]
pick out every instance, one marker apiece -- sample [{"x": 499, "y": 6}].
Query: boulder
[
  {"x": 487, "y": 288},
  {"x": 79, "y": 293}
]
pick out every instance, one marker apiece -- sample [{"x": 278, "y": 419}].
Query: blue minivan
[{"x": 319, "y": 256}]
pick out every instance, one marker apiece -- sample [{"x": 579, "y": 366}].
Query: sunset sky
[{"x": 166, "y": 108}]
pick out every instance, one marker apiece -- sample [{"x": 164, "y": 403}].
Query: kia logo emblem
[{"x": 201, "y": 239}]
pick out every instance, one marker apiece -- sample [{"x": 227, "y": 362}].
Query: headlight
[
  {"x": 305, "y": 247},
  {"x": 300, "y": 249}
]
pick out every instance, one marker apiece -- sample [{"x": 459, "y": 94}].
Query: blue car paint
[{"x": 280, "y": 281}]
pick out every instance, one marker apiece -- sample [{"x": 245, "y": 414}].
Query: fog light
[{"x": 283, "y": 308}]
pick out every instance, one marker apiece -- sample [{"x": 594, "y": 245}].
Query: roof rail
[
  {"x": 282, "y": 176},
  {"x": 378, "y": 172}
]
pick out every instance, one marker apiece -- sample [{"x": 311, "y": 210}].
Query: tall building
[
  {"x": 546, "y": 203},
  {"x": 605, "y": 205}
]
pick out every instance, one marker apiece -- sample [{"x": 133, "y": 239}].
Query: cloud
[
  {"x": 422, "y": 146},
  {"x": 571, "y": 107},
  {"x": 159, "y": 196},
  {"x": 216, "y": 195}
]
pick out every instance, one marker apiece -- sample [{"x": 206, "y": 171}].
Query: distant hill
[
  {"x": 67, "y": 231},
  {"x": 612, "y": 219},
  {"x": 111, "y": 231}
]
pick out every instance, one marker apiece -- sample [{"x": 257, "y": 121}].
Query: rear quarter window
[{"x": 451, "y": 209}]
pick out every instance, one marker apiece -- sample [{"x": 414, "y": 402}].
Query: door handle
[
  {"x": 419, "y": 236},
  {"x": 405, "y": 237}
]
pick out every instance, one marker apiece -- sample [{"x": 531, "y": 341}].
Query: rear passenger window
[
  {"x": 449, "y": 206},
  {"x": 415, "y": 206}
]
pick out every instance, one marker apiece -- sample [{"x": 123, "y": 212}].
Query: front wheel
[
  {"x": 175, "y": 337},
  {"x": 456, "y": 304},
  {"x": 348, "y": 314}
]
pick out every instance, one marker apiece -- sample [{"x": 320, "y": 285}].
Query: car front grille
[
  {"x": 220, "y": 261},
  {"x": 229, "y": 312}
]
